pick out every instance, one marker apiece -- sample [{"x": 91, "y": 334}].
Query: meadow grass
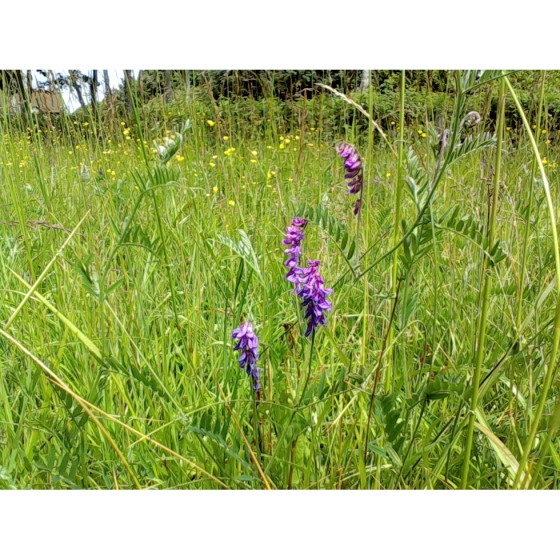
[{"x": 123, "y": 276}]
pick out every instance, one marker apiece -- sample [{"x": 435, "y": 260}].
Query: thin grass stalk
[
  {"x": 44, "y": 273},
  {"x": 84, "y": 404},
  {"x": 296, "y": 408},
  {"x": 364, "y": 194},
  {"x": 378, "y": 371},
  {"x": 551, "y": 366},
  {"x": 396, "y": 227},
  {"x": 487, "y": 280},
  {"x": 553, "y": 428},
  {"x": 364, "y": 112},
  {"x": 529, "y": 210}
]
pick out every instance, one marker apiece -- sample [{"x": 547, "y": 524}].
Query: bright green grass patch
[{"x": 134, "y": 315}]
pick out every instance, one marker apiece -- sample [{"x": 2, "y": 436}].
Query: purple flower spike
[
  {"x": 354, "y": 171},
  {"x": 249, "y": 346},
  {"x": 294, "y": 237},
  {"x": 314, "y": 296}
]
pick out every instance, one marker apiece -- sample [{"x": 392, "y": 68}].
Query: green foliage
[{"x": 182, "y": 245}]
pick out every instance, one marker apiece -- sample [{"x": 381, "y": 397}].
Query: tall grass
[{"x": 126, "y": 265}]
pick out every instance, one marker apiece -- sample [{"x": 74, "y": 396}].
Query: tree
[
  {"x": 75, "y": 79},
  {"x": 128, "y": 81},
  {"x": 93, "y": 92},
  {"x": 168, "y": 92}
]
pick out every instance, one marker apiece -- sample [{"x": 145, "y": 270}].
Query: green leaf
[
  {"x": 502, "y": 452},
  {"x": 244, "y": 248}
]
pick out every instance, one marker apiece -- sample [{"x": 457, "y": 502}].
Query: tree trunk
[
  {"x": 74, "y": 76},
  {"x": 93, "y": 92},
  {"x": 78, "y": 89},
  {"x": 187, "y": 84},
  {"x": 107, "y": 83},
  {"x": 29, "y": 79},
  {"x": 128, "y": 79},
  {"x": 168, "y": 92},
  {"x": 364, "y": 84}
]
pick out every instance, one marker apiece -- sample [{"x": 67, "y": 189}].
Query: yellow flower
[
  {"x": 547, "y": 142},
  {"x": 214, "y": 157},
  {"x": 534, "y": 126},
  {"x": 212, "y": 164},
  {"x": 508, "y": 127},
  {"x": 215, "y": 189},
  {"x": 392, "y": 122},
  {"x": 281, "y": 146},
  {"x": 254, "y": 152},
  {"x": 281, "y": 139},
  {"x": 253, "y": 161},
  {"x": 123, "y": 124},
  {"x": 297, "y": 137},
  {"x": 545, "y": 161},
  {"x": 387, "y": 175},
  {"x": 424, "y": 135},
  {"x": 287, "y": 141},
  {"x": 290, "y": 180},
  {"x": 312, "y": 129},
  {"x": 210, "y": 123},
  {"x": 543, "y": 131},
  {"x": 231, "y": 202},
  {"x": 553, "y": 165}
]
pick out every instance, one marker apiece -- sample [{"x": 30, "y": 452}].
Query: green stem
[
  {"x": 487, "y": 284},
  {"x": 529, "y": 210},
  {"x": 556, "y": 336},
  {"x": 308, "y": 372},
  {"x": 363, "y": 194},
  {"x": 553, "y": 428},
  {"x": 396, "y": 227}
]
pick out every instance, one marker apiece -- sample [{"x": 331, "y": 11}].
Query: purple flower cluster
[
  {"x": 354, "y": 171},
  {"x": 314, "y": 296},
  {"x": 249, "y": 346},
  {"x": 294, "y": 237},
  {"x": 309, "y": 285}
]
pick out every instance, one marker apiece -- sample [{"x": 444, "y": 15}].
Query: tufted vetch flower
[
  {"x": 314, "y": 296},
  {"x": 248, "y": 343},
  {"x": 294, "y": 237},
  {"x": 354, "y": 171}
]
